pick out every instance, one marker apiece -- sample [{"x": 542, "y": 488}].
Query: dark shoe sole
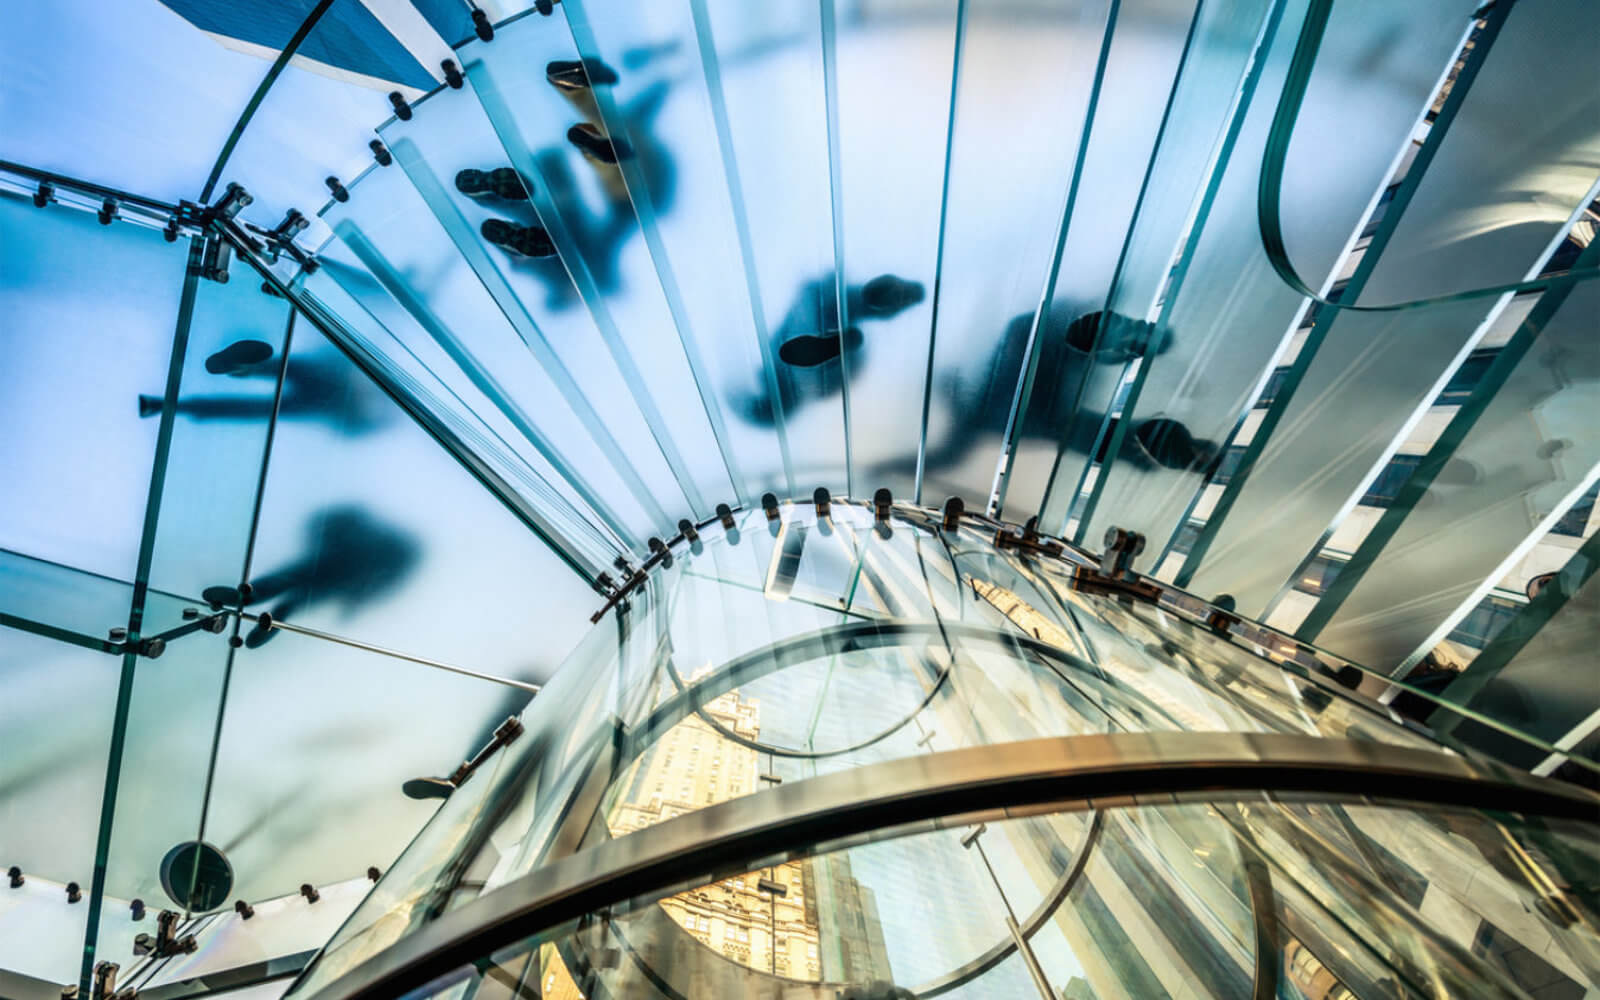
[
  {"x": 502, "y": 182},
  {"x": 571, "y": 74},
  {"x": 527, "y": 241},
  {"x": 238, "y": 357},
  {"x": 808, "y": 351},
  {"x": 593, "y": 143}
]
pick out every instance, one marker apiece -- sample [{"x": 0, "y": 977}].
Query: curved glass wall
[{"x": 824, "y": 648}]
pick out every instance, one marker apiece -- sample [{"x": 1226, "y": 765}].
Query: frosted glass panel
[
  {"x": 1529, "y": 456},
  {"x": 1125, "y": 173},
  {"x": 614, "y": 349},
  {"x": 390, "y": 229},
  {"x": 1228, "y": 311},
  {"x": 1326, "y": 445},
  {"x": 1521, "y": 155},
  {"x": 288, "y": 763},
  {"x": 1533, "y": 674},
  {"x": 56, "y": 717},
  {"x": 893, "y": 75},
  {"x": 351, "y": 540},
  {"x": 227, "y": 393},
  {"x": 89, "y": 314},
  {"x": 1002, "y": 224},
  {"x": 385, "y": 332}
]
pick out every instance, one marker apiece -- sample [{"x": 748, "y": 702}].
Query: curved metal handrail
[{"x": 1080, "y": 771}]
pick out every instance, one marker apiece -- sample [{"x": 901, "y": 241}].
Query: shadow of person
[
  {"x": 350, "y": 558},
  {"x": 314, "y": 388},
  {"x": 597, "y": 236},
  {"x": 812, "y": 356},
  {"x": 1066, "y": 359}
]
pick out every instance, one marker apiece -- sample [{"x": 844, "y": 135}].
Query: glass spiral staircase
[{"x": 1252, "y": 657}]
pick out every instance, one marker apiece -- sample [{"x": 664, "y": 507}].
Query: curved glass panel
[
  {"x": 815, "y": 642},
  {"x": 1230, "y": 898}
]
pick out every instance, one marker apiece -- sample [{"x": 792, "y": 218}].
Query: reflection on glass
[
  {"x": 1226, "y": 899},
  {"x": 888, "y": 641}
]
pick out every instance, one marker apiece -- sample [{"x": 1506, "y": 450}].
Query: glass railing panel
[
  {"x": 1507, "y": 467},
  {"x": 663, "y": 230},
  {"x": 1352, "y": 409},
  {"x": 1226, "y": 312},
  {"x": 90, "y": 312},
  {"x": 367, "y": 313},
  {"x": 998, "y": 251},
  {"x": 228, "y": 391},
  {"x": 893, "y": 74},
  {"x": 375, "y": 724},
  {"x": 69, "y": 604},
  {"x": 613, "y": 349},
  {"x": 1224, "y": 899},
  {"x": 773, "y": 71},
  {"x": 1481, "y": 217},
  {"x": 394, "y": 234},
  {"x": 1169, "y": 87},
  {"x": 351, "y": 543},
  {"x": 57, "y": 719},
  {"x": 1525, "y": 674},
  {"x": 275, "y": 934},
  {"x": 173, "y": 711}
]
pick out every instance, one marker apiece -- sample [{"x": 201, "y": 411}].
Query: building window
[
  {"x": 1485, "y": 621},
  {"x": 1576, "y": 519},
  {"x": 1386, "y": 487},
  {"x": 1466, "y": 378},
  {"x": 1318, "y": 576},
  {"x": 1229, "y": 464}
]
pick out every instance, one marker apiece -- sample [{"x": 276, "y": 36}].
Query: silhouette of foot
[
  {"x": 572, "y": 74},
  {"x": 261, "y": 634},
  {"x": 221, "y": 597},
  {"x": 502, "y": 182},
  {"x": 149, "y": 406},
  {"x": 1171, "y": 446},
  {"x": 525, "y": 241},
  {"x": 239, "y": 357},
  {"x": 887, "y": 294},
  {"x": 594, "y": 143},
  {"x": 808, "y": 351}
]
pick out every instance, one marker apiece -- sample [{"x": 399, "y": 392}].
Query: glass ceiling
[{"x": 1298, "y": 289}]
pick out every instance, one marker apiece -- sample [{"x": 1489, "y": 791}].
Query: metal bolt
[
  {"x": 137, "y": 908},
  {"x": 74, "y": 892},
  {"x": 118, "y": 634},
  {"x": 15, "y": 875},
  {"x": 769, "y": 503},
  {"x": 244, "y": 910},
  {"x": 190, "y": 614},
  {"x": 953, "y": 509},
  {"x": 374, "y": 874},
  {"x": 822, "y": 500},
  {"x": 310, "y": 893}
]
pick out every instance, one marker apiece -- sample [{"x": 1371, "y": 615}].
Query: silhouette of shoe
[
  {"x": 1171, "y": 446},
  {"x": 261, "y": 634},
  {"x": 502, "y": 182},
  {"x": 573, "y": 74},
  {"x": 149, "y": 406},
  {"x": 809, "y": 350},
  {"x": 221, "y": 596},
  {"x": 595, "y": 144},
  {"x": 887, "y": 294},
  {"x": 526, "y": 241},
  {"x": 239, "y": 357}
]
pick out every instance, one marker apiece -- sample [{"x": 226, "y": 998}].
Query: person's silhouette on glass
[
  {"x": 314, "y": 388},
  {"x": 599, "y": 237},
  {"x": 350, "y": 558},
  {"x": 1067, "y": 357},
  {"x": 812, "y": 358}
]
